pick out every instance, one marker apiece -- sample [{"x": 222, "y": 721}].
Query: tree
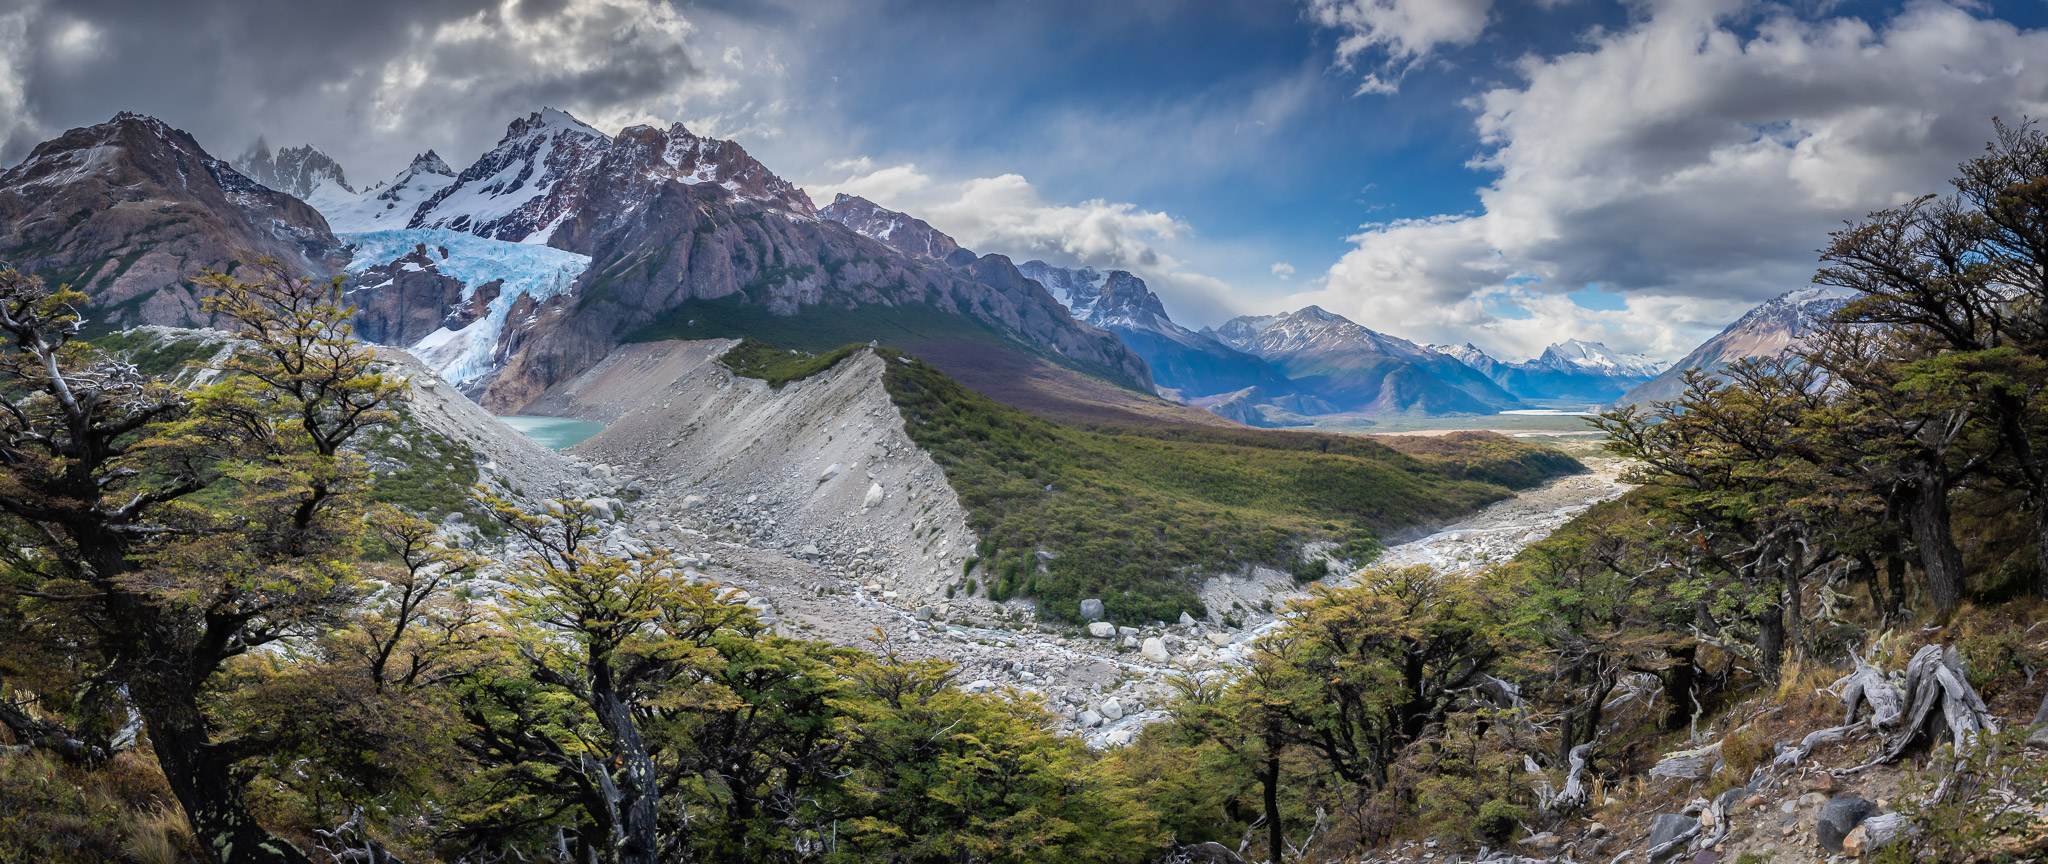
[
  {"x": 623, "y": 636},
  {"x": 1736, "y": 469},
  {"x": 1958, "y": 289},
  {"x": 120, "y": 485}
]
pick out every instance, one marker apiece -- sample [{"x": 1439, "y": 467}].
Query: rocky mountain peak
[
  {"x": 302, "y": 172},
  {"x": 429, "y": 162},
  {"x": 906, "y": 233},
  {"x": 525, "y": 185},
  {"x": 128, "y": 208},
  {"x": 655, "y": 155}
]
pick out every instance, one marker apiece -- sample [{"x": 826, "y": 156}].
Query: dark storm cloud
[{"x": 370, "y": 81}]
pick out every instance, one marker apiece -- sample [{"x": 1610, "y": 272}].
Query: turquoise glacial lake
[{"x": 555, "y": 433}]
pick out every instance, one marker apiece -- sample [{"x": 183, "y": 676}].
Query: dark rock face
[
  {"x": 1668, "y": 827},
  {"x": 130, "y": 210},
  {"x": 1837, "y": 818}
]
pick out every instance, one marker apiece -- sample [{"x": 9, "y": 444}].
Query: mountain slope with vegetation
[{"x": 1137, "y": 516}]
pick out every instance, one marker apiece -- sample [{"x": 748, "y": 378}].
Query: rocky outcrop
[{"x": 130, "y": 210}]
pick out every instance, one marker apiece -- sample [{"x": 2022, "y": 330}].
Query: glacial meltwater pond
[{"x": 555, "y": 433}]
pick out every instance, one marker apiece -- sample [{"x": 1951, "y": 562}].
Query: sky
[{"x": 1509, "y": 173}]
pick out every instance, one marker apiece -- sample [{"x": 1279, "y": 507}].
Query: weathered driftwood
[
  {"x": 1546, "y": 794},
  {"x": 1574, "y": 795},
  {"x": 1935, "y": 675},
  {"x": 1876, "y": 833},
  {"x": 1688, "y": 764},
  {"x": 1790, "y": 754},
  {"x": 1869, "y": 686}
]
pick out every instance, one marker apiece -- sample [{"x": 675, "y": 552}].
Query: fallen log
[
  {"x": 1876, "y": 833},
  {"x": 1688, "y": 764},
  {"x": 1790, "y": 754}
]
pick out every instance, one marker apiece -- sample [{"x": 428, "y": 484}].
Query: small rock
[
  {"x": 1091, "y": 610},
  {"x": 1112, "y": 710},
  {"x": 1824, "y": 784},
  {"x": 1219, "y": 639},
  {"x": 1130, "y": 642},
  {"x": 923, "y": 613},
  {"x": 874, "y": 498},
  {"x": 1811, "y": 798},
  {"x": 1596, "y": 830},
  {"x": 981, "y": 686},
  {"x": 1119, "y": 738},
  {"x": 1155, "y": 650},
  {"x": 1754, "y": 801},
  {"x": 1088, "y": 720},
  {"x": 1839, "y": 817},
  {"x": 1545, "y": 844},
  {"x": 1102, "y": 630},
  {"x": 1853, "y": 844},
  {"x": 829, "y": 473},
  {"x": 1186, "y": 620}
]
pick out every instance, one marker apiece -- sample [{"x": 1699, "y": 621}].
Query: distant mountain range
[
  {"x": 1569, "y": 370},
  {"x": 532, "y": 263},
  {"x": 536, "y": 260}
]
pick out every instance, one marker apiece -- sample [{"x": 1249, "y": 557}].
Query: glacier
[{"x": 463, "y": 356}]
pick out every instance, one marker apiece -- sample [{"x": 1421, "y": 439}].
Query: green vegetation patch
[
  {"x": 753, "y": 358},
  {"x": 814, "y": 329},
  {"x": 1137, "y": 516},
  {"x": 820, "y": 329},
  {"x": 156, "y": 355}
]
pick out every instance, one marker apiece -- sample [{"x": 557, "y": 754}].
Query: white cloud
[
  {"x": 1691, "y": 167},
  {"x": 1405, "y": 31},
  {"x": 1283, "y": 269},
  {"x": 1006, "y": 214}
]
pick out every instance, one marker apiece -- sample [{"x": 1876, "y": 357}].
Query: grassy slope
[{"x": 1133, "y": 514}]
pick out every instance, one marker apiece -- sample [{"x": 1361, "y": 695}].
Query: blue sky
[{"x": 1506, "y": 172}]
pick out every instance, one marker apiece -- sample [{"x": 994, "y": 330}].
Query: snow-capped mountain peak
[
  {"x": 391, "y": 205},
  {"x": 1577, "y": 353},
  {"x": 523, "y": 187}
]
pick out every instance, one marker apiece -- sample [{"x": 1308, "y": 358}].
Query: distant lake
[{"x": 554, "y": 433}]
